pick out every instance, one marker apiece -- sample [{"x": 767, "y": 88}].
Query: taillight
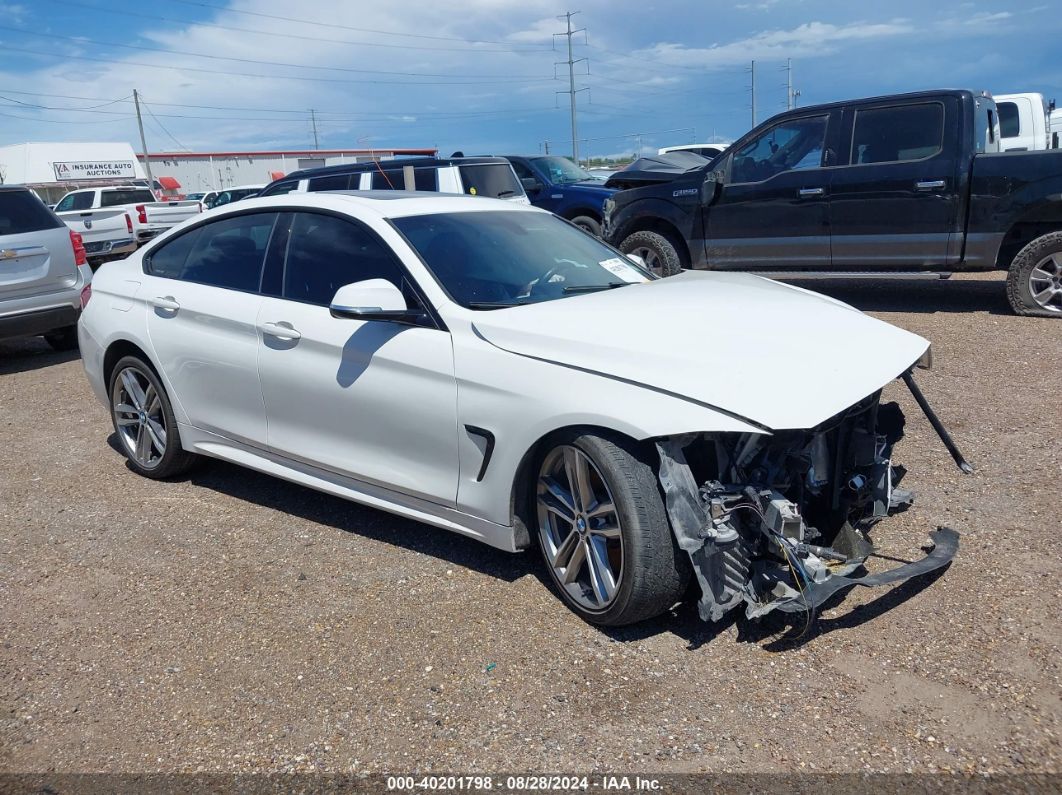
[
  {"x": 80, "y": 258},
  {"x": 128, "y": 223},
  {"x": 86, "y": 294},
  {"x": 141, "y": 211}
]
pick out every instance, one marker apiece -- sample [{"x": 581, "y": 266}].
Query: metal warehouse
[{"x": 204, "y": 171}]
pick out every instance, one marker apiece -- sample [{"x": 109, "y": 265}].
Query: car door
[
  {"x": 371, "y": 400},
  {"x": 894, "y": 202},
  {"x": 202, "y": 290},
  {"x": 771, "y": 210}
]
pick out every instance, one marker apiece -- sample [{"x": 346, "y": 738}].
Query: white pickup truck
[
  {"x": 148, "y": 216},
  {"x": 106, "y": 234}
]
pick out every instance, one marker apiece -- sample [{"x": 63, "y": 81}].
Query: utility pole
[
  {"x": 752, "y": 71},
  {"x": 313, "y": 121},
  {"x": 790, "y": 93},
  {"x": 547, "y": 146},
  {"x": 572, "y": 90},
  {"x": 143, "y": 143}
]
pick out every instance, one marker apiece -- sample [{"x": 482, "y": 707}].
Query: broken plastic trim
[{"x": 945, "y": 545}]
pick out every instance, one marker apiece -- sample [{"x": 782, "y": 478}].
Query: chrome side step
[{"x": 889, "y": 275}]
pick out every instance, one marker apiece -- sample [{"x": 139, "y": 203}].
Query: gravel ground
[{"x": 233, "y": 622}]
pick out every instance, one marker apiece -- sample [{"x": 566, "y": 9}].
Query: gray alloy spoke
[
  {"x": 124, "y": 422},
  {"x": 565, "y": 550},
  {"x": 158, "y": 435},
  {"x": 562, "y": 500},
  {"x": 1045, "y": 294},
  {"x": 1056, "y": 261},
  {"x": 606, "y": 531},
  {"x": 143, "y": 445},
  {"x": 601, "y": 579},
  {"x": 601, "y": 509},
  {"x": 132, "y": 389},
  {"x": 575, "y": 563},
  {"x": 1040, "y": 274},
  {"x": 126, "y": 408},
  {"x": 149, "y": 398},
  {"x": 571, "y": 471}
]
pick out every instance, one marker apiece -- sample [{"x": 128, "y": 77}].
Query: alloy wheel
[
  {"x": 1045, "y": 283},
  {"x": 139, "y": 417},
  {"x": 653, "y": 261},
  {"x": 579, "y": 528}
]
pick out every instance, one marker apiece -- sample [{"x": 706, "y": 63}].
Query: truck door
[
  {"x": 771, "y": 210},
  {"x": 894, "y": 197}
]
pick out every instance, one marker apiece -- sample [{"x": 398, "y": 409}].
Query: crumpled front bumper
[{"x": 945, "y": 545}]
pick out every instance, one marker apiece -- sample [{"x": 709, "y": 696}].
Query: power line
[
  {"x": 82, "y": 40},
  {"x": 217, "y": 26},
  {"x": 163, "y": 127},
  {"x": 333, "y": 25},
  {"x": 172, "y": 67}
]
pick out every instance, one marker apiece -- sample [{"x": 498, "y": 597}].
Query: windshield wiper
[
  {"x": 593, "y": 288},
  {"x": 503, "y": 193},
  {"x": 493, "y": 304}
]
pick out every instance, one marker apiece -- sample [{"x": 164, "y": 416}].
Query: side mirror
[
  {"x": 713, "y": 183},
  {"x": 372, "y": 299},
  {"x": 531, "y": 185}
]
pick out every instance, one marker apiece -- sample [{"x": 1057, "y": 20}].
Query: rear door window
[
  {"x": 21, "y": 211},
  {"x": 896, "y": 134},
  {"x": 329, "y": 182},
  {"x": 395, "y": 179},
  {"x": 496, "y": 180},
  {"x": 115, "y": 198},
  {"x": 81, "y": 200},
  {"x": 226, "y": 253},
  {"x": 1009, "y": 119}
]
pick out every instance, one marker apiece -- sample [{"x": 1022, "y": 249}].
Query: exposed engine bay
[{"x": 781, "y": 521}]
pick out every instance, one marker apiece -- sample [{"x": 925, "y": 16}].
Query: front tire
[
  {"x": 603, "y": 531},
  {"x": 661, "y": 255},
  {"x": 143, "y": 419},
  {"x": 588, "y": 224},
  {"x": 1034, "y": 279}
]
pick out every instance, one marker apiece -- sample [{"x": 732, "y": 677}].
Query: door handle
[
  {"x": 932, "y": 184},
  {"x": 806, "y": 192},
  {"x": 165, "y": 302},
  {"x": 281, "y": 330}
]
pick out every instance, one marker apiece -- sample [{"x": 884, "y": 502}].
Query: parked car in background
[
  {"x": 208, "y": 199},
  {"x": 235, "y": 194},
  {"x": 149, "y": 217},
  {"x": 478, "y": 176},
  {"x": 709, "y": 151},
  {"x": 44, "y": 273},
  {"x": 908, "y": 185},
  {"x": 1024, "y": 122},
  {"x": 484, "y": 367},
  {"x": 557, "y": 184}
]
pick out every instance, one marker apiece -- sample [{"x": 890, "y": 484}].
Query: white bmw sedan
[{"x": 492, "y": 370}]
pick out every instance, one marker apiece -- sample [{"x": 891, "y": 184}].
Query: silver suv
[{"x": 44, "y": 273}]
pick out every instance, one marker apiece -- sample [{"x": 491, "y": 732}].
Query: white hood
[{"x": 777, "y": 355}]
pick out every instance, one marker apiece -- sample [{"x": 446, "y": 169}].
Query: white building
[
  {"x": 53, "y": 169},
  {"x": 199, "y": 172}
]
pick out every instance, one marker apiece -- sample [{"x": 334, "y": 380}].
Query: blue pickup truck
[{"x": 558, "y": 185}]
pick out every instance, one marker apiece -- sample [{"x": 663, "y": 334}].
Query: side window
[
  {"x": 1009, "y": 121},
  {"x": 75, "y": 201},
  {"x": 788, "y": 146},
  {"x": 387, "y": 180},
  {"x": 423, "y": 179},
  {"x": 330, "y": 182},
  {"x": 523, "y": 171},
  {"x": 891, "y": 135},
  {"x": 226, "y": 253},
  {"x": 326, "y": 252},
  {"x": 281, "y": 188}
]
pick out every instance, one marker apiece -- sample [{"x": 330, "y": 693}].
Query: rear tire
[
  {"x": 606, "y": 539},
  {"x": 661, "y": 255},
  {"x": 144, "y": 422},
  {"x": 588, "y": 224},
  {"x": 62, "y": 339},
  {"x": 1034, "y": 279}
]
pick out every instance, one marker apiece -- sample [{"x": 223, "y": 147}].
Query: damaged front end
[{"x": 780, "y": 521}]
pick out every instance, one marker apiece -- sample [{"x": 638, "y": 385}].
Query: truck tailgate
[
  {"x": 98, "y": 225},
  {"x": 171, "y": 213}
]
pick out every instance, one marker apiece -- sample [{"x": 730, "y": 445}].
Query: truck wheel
[
  {"x": 659, "y": 253},
  {"x": 588, "y": 223},
  {"x": 1034, "y": 281}
]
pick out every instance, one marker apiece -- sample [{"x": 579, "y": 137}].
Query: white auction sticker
[{"x": 623, "y": 269}]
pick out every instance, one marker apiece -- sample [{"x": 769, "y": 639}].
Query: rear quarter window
[
  {"x": 496, "y": 180},
  {"x": 22, "y": 211},
  {"x": 394, "y": 179},
  {"x": 330, "y": 182}
]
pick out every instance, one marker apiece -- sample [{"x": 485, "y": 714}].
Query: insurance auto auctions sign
[{"x": 94, "y": 169}]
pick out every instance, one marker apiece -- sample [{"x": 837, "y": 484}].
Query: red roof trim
[{"x": 293, "y": 153}]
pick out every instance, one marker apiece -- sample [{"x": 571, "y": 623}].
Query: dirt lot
[{"x": 231, "y": 622}]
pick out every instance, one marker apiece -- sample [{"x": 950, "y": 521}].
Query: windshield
[
  {"x": 561, "y": 170},
  {"x": 489, "y": 260}
]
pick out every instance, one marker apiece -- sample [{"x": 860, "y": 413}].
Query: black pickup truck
[{"x": 908, "y": 185}]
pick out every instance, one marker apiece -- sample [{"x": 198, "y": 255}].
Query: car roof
[
  {"x": 383, "y": 204},
  {"x": 391, "y": 165}
]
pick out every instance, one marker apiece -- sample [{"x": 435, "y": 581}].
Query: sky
[{"x": 481, "y": 76}]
